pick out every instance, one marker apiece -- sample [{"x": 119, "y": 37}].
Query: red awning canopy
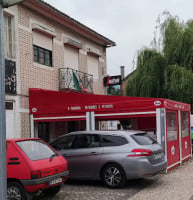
[{"x": 47, "y": 105}]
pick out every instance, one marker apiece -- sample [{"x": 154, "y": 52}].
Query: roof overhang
[{"x": 53, "y": 14}]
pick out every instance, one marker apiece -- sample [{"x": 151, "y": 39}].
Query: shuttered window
[
  {"x": 93, "y": 66},
  {"x": 71, "y": 56},
  {"x": 42, "y": 48},
  {"x": 9, "y": 32}
]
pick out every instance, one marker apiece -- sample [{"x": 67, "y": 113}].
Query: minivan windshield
[
  {"x": 143, "y": 139},
  {"x": 36, "y": 149}
]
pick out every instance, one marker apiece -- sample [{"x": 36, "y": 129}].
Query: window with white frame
[{"x": 9, "y": 30}]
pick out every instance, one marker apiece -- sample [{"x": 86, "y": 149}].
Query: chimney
[
  {"x": 122, "y": 77},
  {"x": 122, "y": 72}
]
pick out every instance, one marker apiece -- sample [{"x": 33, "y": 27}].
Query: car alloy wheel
[
  {"x": 15, "y": 191},
  {"x": 113, "y": 176}
]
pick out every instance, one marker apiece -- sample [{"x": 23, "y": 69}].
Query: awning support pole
[
  {"x": 90, "y": 121},
  {"x": 190, "y": 133},
  {"x": 160, "y": 125},
  {"x": 161, "y": 128},
  {"x": 32, "y": 126},
  {"x": 180, "y": 136}
]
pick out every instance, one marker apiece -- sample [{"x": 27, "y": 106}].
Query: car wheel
[
  {"x": 52, "y": 191},
  {"x": 15, "y": 191},
  {"x": 113, "y": 176}
]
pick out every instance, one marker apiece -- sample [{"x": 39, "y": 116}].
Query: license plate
[
  {"x": 55, "y": 181},
  {"x": 157, "y": 156}
]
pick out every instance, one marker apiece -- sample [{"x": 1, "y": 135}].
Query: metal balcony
[{"x": 74, "y": 80}]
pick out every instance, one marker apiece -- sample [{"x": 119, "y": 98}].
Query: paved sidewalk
[
  {"x": 176, "y": 185},
  {"x": 95, "y": 190}
]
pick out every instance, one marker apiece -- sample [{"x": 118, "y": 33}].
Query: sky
[{"x": 129, "y": 23}]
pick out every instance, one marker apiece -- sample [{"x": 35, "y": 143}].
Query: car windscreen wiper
[{"x": 53, "y": 155}]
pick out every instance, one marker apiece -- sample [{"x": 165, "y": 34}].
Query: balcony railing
[{"x": 71, "y": 79}]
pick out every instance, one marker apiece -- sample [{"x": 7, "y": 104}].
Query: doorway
[{"x": 43, "y": 131}]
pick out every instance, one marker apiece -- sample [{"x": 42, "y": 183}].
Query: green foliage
[
  {"x": 187, "y": 47},
  {"x": 178, "y": 43},
  {"x": 148, "y": 79},
  {"x": 166, "y": 73},
  {"x": 178, "y": 83},
  {"x": 111, "y": 90},
  {"x": 172, "y": 42}
]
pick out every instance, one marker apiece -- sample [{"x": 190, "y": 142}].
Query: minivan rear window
[
  {"x": 35, "y": 149},
  {"x": 143, "y": 139}
]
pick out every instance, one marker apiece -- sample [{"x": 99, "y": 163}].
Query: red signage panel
[{"x": 112, "y": 80}]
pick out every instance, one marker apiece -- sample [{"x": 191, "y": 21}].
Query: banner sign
[{"x": 112, "y": 80}]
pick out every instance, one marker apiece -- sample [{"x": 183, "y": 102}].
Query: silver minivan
[{"x": 111, "y": 156}]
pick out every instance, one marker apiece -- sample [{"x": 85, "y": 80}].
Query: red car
[{"x": 33, "y": 166}]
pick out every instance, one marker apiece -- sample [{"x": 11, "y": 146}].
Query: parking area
[
  {"x": 176, "y": 185},
  {"x": 94, "y": 190}
]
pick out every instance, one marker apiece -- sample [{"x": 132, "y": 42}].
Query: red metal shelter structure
[{"x": 169, "y": 119}]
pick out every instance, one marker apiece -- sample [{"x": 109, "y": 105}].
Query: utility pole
[
  {"x": 3, "y": 167},
  {"x": 3, "y": 160}
]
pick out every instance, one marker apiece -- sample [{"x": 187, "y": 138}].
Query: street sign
[{"x": 112, "y": 80}]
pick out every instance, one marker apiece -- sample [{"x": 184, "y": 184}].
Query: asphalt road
[{"x": 94, "y": 190}]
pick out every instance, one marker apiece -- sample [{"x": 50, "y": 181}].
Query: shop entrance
[
  {"x": 72, "y": 126},
  {"x": 173, "y": 150},
  {"x": 10, "y": 122},
  {"x": 185, "y": 135},
  {"x": 44, "y": 131}
]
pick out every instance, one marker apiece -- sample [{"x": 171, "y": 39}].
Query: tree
[
  {"x": 166, "y": 70},
  {"x": 148, "y": 79},
  {"x": 178, "y": 84},
  {"x": 111, "y": 90}
]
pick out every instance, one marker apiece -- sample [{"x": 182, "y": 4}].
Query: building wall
[
  {"x": 34, "y": 75},
  {"x": 16, "y": 99},
  {"x": 123, "y": 88},
  {"x": 40, "y": 76}
]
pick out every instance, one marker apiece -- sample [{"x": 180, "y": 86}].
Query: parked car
[
  {"x": 111, "y": 156},
  {"x": 33, "y": 166}
]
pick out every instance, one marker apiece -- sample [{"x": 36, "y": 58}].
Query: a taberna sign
[{"x": 112, "y": 80}]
